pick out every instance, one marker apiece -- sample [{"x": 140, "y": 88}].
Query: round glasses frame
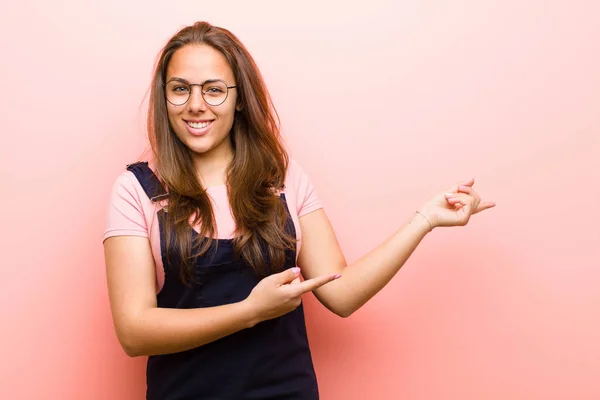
[{"x": 202, "y": 92}]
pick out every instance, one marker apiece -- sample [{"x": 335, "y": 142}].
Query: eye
[
  {"x": 180, "y": 89},
  {"x": 215, "y": 89}
]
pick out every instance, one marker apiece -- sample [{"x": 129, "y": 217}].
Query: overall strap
[{"x": 149, "y": 181}]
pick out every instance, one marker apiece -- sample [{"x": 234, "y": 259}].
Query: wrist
[
  {"x": 250, "y": 313},
  {"x": 424, "y": 219}
]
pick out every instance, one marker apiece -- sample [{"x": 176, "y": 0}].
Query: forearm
[
  {"x": 362, "y": 279},
  {"x": 167, "y": 330}
]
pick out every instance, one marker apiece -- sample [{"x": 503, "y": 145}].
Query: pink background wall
[{"x": 384, "y": 103}]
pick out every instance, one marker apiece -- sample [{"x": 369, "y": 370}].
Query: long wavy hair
[{"x": 254, "y": 177}]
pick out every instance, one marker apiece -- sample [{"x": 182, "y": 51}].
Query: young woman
[{"x": 207, "y": 243}]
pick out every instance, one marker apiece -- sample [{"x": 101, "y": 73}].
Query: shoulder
[
  {"x": 128, "y": 188},
  {"x": 295, "y": 175},
  {"x": 299, "y": 190},
  {"x": 128, "y": 209},
  {"x": 143, "y": 175},
  {"x": 126, "y": 182}
]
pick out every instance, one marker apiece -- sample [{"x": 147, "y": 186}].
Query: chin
[
  {"x": 206, "y": 146},
  {"x": 199, "y": 149},
  {"x": 200, "y": 145}
]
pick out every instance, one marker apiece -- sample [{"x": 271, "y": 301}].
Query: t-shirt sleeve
[
  {"x": 125, "y": 216},
  {"x": 307, "y": 199}
]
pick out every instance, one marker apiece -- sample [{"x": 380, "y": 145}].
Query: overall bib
[{"x": 271, "y": 360}]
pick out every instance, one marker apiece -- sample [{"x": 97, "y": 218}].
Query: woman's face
[{"x": 202, "y": 127}]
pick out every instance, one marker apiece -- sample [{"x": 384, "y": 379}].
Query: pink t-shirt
[{"x": 131, "y": 213}]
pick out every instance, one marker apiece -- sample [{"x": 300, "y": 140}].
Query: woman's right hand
[{"x": 281, "y": 293}]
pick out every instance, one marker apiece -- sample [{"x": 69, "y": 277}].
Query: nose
[{"x": 196, "y": 102}]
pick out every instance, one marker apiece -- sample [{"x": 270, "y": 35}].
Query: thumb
[{"x": 286, "y": 276}]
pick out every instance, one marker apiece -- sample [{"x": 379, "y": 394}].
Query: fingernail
[
  {"x": 337, "y": 276},
  {"x": 449, "y": 194},
  {"x": 462, "y": 187},
  {"x": 296, "y": 270}
]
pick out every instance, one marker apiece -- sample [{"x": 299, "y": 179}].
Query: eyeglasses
[{"x": 214, "y": 91}]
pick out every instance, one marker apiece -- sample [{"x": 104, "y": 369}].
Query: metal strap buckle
[{"x": 159, "y": 197}]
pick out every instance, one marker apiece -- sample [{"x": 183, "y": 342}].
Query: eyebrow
[{"x": 175, "y": 78}]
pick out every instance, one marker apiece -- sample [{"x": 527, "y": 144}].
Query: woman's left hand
[{"x": 454, "y": 206}]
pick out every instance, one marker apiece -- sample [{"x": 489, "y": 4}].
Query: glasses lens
[
  {"x": 214, "y": 92},
  {"x": 177, "y": 92}
]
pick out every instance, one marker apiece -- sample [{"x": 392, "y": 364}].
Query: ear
[{"x": 239, "y": 107}]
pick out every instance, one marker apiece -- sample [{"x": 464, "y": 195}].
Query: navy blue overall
[{"x": 271, "y": 360}]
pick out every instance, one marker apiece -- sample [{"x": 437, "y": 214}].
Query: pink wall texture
[{"x": 384, "y": 103}]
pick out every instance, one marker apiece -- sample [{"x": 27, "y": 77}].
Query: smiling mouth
[{"x": 198, "y": 125}]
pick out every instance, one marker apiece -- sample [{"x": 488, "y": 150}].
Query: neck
[{"x": 211, "y": 167}]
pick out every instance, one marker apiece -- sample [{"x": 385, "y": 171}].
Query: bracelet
[{"x": 430, "y": 226}]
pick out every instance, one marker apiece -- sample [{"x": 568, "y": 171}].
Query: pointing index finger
[{"x": 314, "y": 283}]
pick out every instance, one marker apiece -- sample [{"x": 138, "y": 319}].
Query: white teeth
[{"x": 198, "y": 125}]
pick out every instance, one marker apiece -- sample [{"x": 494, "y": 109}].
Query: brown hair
[{"x": 255, "y": 175}]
